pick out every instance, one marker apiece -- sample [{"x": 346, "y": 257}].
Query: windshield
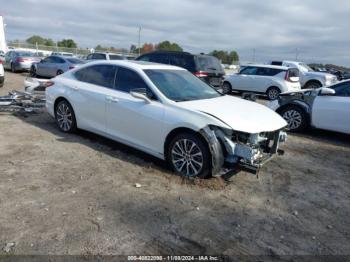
[
  {"x": 305, "y": 67},
  {"x": 180, "y": 85}
]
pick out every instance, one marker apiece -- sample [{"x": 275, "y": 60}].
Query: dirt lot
[{"x": 76, "y": 194}]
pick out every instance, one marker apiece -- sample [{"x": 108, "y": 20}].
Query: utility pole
[
  {"x": 140, "y": 40},
  {"x": 296, "y": 54}
]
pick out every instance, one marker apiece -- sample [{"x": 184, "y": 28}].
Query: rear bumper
[{"x": 23, "y": 66}]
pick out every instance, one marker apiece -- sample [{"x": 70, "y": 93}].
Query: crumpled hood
[{"x": 241, "y": 115}]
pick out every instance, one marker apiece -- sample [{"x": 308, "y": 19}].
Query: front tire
[
  {"x": 13, "y": 68},
  {"x": 32, "y": 71},
  {"x": 65, "y": 117},
  {"x": 59, "y": 72},
  {"x": 295, "y": 117},
  {"x": 273, "y": 93},
  {"x": 226, "y": 88},
  {"x": 189, "y": 156}
]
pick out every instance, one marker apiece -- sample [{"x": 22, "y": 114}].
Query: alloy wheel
[
  {"x": 293, "y": 118},
  {"x": 64, "y": 117},
  {"x": 187, "y": 157},
  {"x": 273, "y": 94}
]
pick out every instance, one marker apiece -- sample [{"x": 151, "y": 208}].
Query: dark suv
[{"x": 206, "y": 67}]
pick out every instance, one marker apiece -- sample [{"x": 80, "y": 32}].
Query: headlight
[{"x": 329, "y": 77}]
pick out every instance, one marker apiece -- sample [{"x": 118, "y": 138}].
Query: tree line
[{"x": 226, "y": 57}]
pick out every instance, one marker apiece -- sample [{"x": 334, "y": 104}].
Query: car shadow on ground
[{"x": 113, "y": 148}]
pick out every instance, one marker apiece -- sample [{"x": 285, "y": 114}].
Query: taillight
[
  {"x": 286, "y": 77},
  {"x": 0, "y": 61},
  {"x": 201, "y": 74},
  {"x": 48, "y": 84},
  {"x": 20, "y": 59}
]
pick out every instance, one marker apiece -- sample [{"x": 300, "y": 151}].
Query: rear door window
[
  {"x": 102, "y": 75},
  {"x": 264, "y": 71},
  {"x": 115, "y": 57}
]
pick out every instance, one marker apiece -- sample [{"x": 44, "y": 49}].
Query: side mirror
[
  {"x": 140, "y": 93},
  {"x": 325, "y": 91}
]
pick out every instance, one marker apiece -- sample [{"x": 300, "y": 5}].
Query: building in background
[{"x": 3, "y": 46}]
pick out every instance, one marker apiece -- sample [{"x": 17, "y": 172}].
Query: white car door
[
  {"x": 89, "y": 94},
  {"x": 244, "y": 81},
  {"x": 131, "y": 119},
  {"x": 333, "y": 112}
]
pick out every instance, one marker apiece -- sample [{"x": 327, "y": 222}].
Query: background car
[
  {"x": 263, "y": 79},
  {"x": 52, "y": 66},
  {"x": 105, "y": 56},
  {"x": 206, "y": 67},
  {"x": 2, "y": 74},
  {"x": 62, "y": 54},
  {"x": 168, "y": 112},
  {"x": 20, "y": 60},
  {"x": 308, "y": 77},
  {"x": 324, "y": 108}
]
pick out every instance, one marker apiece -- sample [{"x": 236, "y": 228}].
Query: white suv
[
  {"x": 2, "y": 74},
  {"x": 263, "y": 79},
  {"x": 308, "y": 77}
]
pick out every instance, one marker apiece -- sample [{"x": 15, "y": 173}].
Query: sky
[{"x": 311, "y": 30}]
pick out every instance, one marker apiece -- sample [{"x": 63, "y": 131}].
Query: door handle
[
  {"x": 75, "y": 88},
  {"x": 112, "y": 99}
]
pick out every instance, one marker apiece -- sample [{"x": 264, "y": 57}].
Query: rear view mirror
[
  {"x": 140, "y": 93},
  {"x": 325, "y": 91}
]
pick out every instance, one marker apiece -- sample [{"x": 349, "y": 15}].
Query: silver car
[
  {"x": 52, "y": 66},
  {"x": 20, "y": 60}
]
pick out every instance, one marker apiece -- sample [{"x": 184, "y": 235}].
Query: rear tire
[
  {"x": 65, "y": 117},
  {"x": 312, "y": 85},
  {"x": 59, "y": 72},
  {"x": 296, "y": 118},
  {"x": 189, "y": 156},
  {"x": 273, "y": 93},
  {"x": 226, "y": 88},
  {"x": 13, "y": 68}
]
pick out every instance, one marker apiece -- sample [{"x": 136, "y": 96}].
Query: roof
[
  {"x": 268, "y": 66},
  {"x": 141, "y": 65}
]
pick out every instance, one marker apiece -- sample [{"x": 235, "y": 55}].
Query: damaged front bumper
[{"x": 248, "y": 152}]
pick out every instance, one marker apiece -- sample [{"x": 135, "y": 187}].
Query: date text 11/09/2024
[{"x": 173, "y": 258}]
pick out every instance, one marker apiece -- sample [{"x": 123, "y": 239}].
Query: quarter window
[{"x": 102, "y": 75}]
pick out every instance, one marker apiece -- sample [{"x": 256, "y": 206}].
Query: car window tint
[
  {"x": 342, "y": 89},
  {"x": 57, "y": 60},
  {"x": 144, "y": 58},
  {"x": 160, "y": 58},
  {"x": 48, "y": 60},
  {"x": 208, "y": 63},
  {"x": 183, "y": 61},
  {"x": 249, "y": 71},
  {"x": 102, "y": 75},
  {"x": 115, "y": 57},
  {"x": 127, "y": 80},
  {"x": 98, "y": 56},
  {"x": 264, "y": 71}
]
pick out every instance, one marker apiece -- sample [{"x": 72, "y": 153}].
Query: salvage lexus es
[{"x": 167, "y": 112}]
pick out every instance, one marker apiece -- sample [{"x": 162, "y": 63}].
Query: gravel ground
[{"x": 76, "y": 194}]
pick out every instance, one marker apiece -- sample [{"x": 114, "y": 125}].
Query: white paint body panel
[{"x": 331, "y": 113}]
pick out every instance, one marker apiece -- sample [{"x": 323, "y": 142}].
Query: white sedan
[
  {"x": 167, "y": 112},
  {"x": 325, "y": 108}
]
